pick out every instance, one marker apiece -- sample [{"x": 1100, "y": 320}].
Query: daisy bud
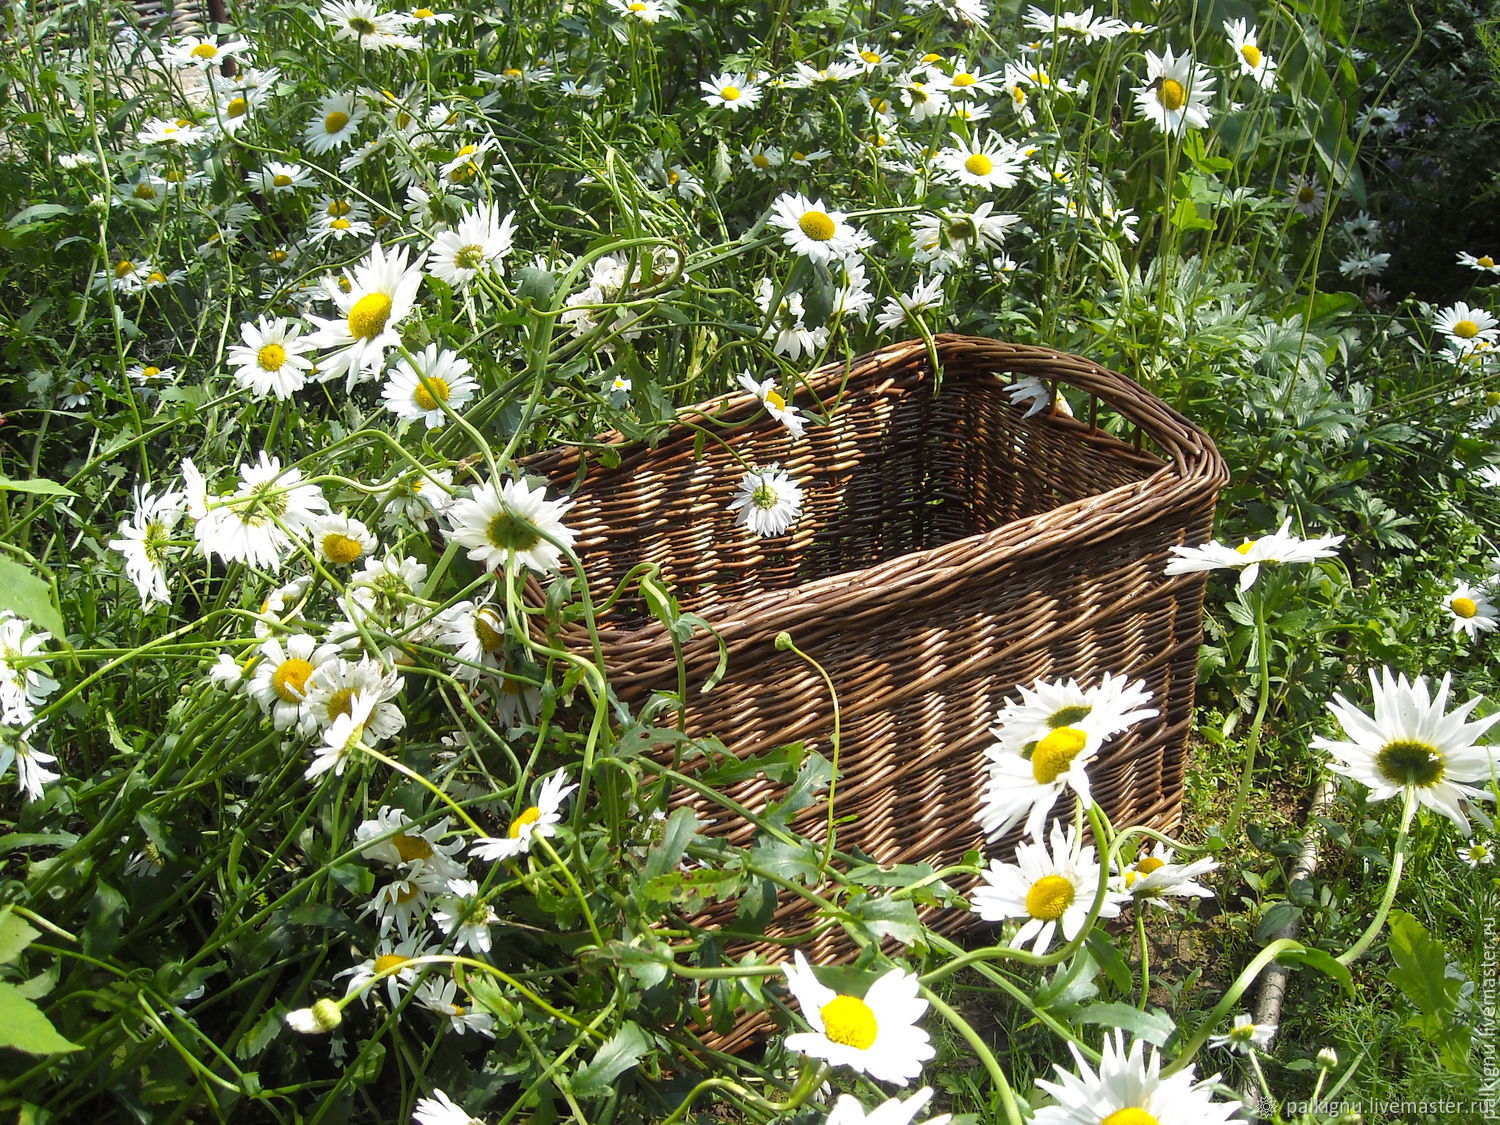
[
  {"x": 320, "y": 1019},
  {"x": 1328, "y": 1058},
  {"x": 783, "y": 641}
]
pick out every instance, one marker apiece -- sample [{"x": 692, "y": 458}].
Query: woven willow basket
[{"x": 949, "y": 550}]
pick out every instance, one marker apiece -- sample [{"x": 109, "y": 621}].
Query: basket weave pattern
[{"x": 949, "y": 550}]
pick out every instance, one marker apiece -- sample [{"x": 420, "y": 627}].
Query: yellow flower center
[
  {"x": 1410, "y": 762},
  {"x": 870, "y": 57},
  {"x": 389, "y": 962},
  {"x": 145, "y": 191},
  {"x": 1143, "y": 868},
  {"x": 150, "y": 371},
  {"x": 335, "y": 121},
  {"x": 1171, "y": 95},
  {"x": 340, "y": 548},
  {"x": 157, "y": 277},
  {"x": 278, "y": 255},
  {"x": 290, "y": 679},
  {"x": 761, "y": 161},
  {"x": 424, "y": 13},
  {"x": 637, "y": 6},
  {"x": 1463, "y": 607},
  {"x": 487, "y": 629},
  {"x": 1251, "y": 54},
  {"x": 1486, "y": 261},
  {"x": 1049, "y": 897},
  {"x": 124, "y": 267},
  {"x": 430, "y": 393},
  {"x": 930, "y": 58},
  {"x": 368, "y": 316},
  {"x": 341, "y": 224},
  {"x": 1130, "y": 1115},
  {"x": 1054, "y": 752},
  {"x": 1466, "y": 330},
  {"x": 469, "y": 257},
  {"x": 978, "y": 164},
  {"x": 527, "y": 818},
  {"x": 411, "y": 848},
  {"x": 849, "y": 1020},
  {"x": 363, "y": 26},
  {"x": 205, "y": 51},
  {"x": 673, "y": 178},
  {"x": 774, "y": 399},
  {"x": 962, "y": 80},
  {"x": 511, "y": 72},
  {"x": 730, "y": 93},
  {"x": 237, "y": 107},
  {"x": 1306, "y": 193},
  {"x": 817, "y": 226},
  {"x": 1018, "y": 95},
  {"x": 281, "y": 179},
  {"x": 1244, "y": 548},
  {"x": 339, "y": 703}
]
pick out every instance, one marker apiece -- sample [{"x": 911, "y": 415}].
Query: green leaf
[
  {"x": 873, "y": 918},
  {"x": 1154, "y": 1026},
  {"x": 680, "y": 829},
  {"x": 619, "y": 1053},
  {"x": 1421, "y": 966},
  {"x": 36, "y": 213},
  {"x": 1325, "y": 963},
  {"x": 37, "y": 486},
  {"x": 15, "y": 936},
  {"x": 648, "y": 964},
  {"x": 26, "y": 595},
  {"x": 1280, "y": 915},
  {"x": 24, "y": 1027}
]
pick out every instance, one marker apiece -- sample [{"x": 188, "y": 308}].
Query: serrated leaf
[
  {"x": 1154, "y": 1025},
  {"x": 619, "y": 1053},
  {"x": 24, "y": 1026},
  {"x": 15, "y": 935},
  {"x": 37, "y": 486},
  {"x": 1421, "y": 966},
  {"x": 254, "y": 1041},
  {"x": 874, "y": 918},
  {"x": 26, "y": 595},
  {"x": 680, "y": 829}
]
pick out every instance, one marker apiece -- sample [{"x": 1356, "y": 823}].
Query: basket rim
[{"x": 1193, "y": 472}]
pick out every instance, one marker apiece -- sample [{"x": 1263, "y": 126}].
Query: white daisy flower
[
  {"x": 342, "y": 738},
  {"x": 149, "y": 375},
  {"x": 1028, "y": 784},
  {"x": 965, "y": 82},
  {"x": 732, "y": 91},
  {"x": 341, "y": 540},
  {"x": 512, "y": 522},
  {"x": 1467, "y": 325},
  {"x": 762, "y": 159},
  {"x": 426, "y": 386},
  {"x": 1244, "y": 1035},
  {"x": 278, "y": 178},
  {"x": 127, "y": 275},
  {"x": 476, "y": 633},
  {"x": 538, "y": 820},
  {"x": 441, "y": 996},
  {"x": 465, "y": 917},
  {"x": 876, "y": 1034},
  {"x": 1155, "y": 879},
  {"x": 1081, "y": 27},
  {"x": 146, "y": 541},
  {"x": 793, "y": 337},
  {"x": 178, "y": 131},
  {"x": 1037, "y": 397},
  {"x": 1307, "y": 196},
  {"x": 279, "y": 683},
  {"x": 384, "y": 587},
  {"x": 869, "y": 56},
  {"x": 946, "y": 239},
  {"x": 338, "y": 118},
  {"x": 1253, "y": 61},
  {"x": 815, "y": 232},
  {"x": 382, "y": 293},
  {"x": 1278, "y": 547},
  {"x": 1476, "y": 853},
  {"x": 769, "y": 501},
  {"x": 391, "y": 838},
  {"x": 418, "y": 496},
  {"x": 893, "y": 1111},
  {"x": 904, "y": 308},
  {"x": 1175, "y": 96},
  {"x": 479, "y": 243},
  {"x": 257, "y": 524},
  {"x": 774, "y": 404},
  {"x": 440, "y": 1109},
  {"x": 394, "y": 961},
  {"x": 977, "y": 163},
  {"x": 271, "y": 360},
  {"x": 32, "y": 774},
  {"x": 1471, "y": 610},
  {"x": 1410, "y": 743},
  {"x": 1129, "y": 1089},
  {"x": 360, "y": 21},
  {"x": 320, "y": 1019},
  {"x": 922, "y": 97},
  {"x": 1048, "y": 889},
  {"x": 805, "y": 76},
  {"x": 1115, "y": 704},
  {"x": 1484, "y": 262},
  {"x": 204, "y": 52},
  {"x": 646, "y": 11},
  {"x": 334, "y": 684}
]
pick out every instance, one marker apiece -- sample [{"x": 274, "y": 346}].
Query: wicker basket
[{"x": 949, "y": 549}]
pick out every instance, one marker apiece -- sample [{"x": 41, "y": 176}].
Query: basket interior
[{"x": 904, "y": 464}]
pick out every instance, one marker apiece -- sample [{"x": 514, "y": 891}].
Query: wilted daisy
[
  {"x": 1244, "y": 1035},
  {"x": 1471, "y": 610},
  {"x": 476, "y": 633},
  {"x": 1175, "y": 96},
  {"x": 440, "y": 1109},
  {"x": 334, "y": 124},
  {"x": 769, "y": 501},
  {"x": 271, "y": 359},
  {"x": 976, "y": 162},
  {"x": 1032, "y": 393},
  {"x": 810, "y": 229},
  {"x": 1467, "y": 325},
  {"x": 256, "y": 524},
  {"x": 279, "y": 684},
  {"x": 732, "y": 91},
  {"x": 479, "y": 243},
  {"x": 1410, "y": 743},
  {"x": 771, "y": 399},
  {"x": 424, "y": 387},
  {"x": 876, "y": 1034},
  {"x": 1047, "y": 889},
  {"x": 145, "y": 540},
  {"x": 1484, "y": 262},
  {"x": 382, "y": 293},
  {"x": 1278, "y": 547},
  {"x": 512, "y": 522},
  {"x": 341, "y": 540},
  {"x": 1252, "y": 60},
  {"x": 1157, "y": 878},
  {"x": 1129, "y": 1089},
  {"x": 534, "y": 821}
]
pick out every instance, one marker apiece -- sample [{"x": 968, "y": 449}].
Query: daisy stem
[
  {"x": 1398, "y": 860},
  {"x": 1267, "y": 1100},
  {"x": 471, "y": 963},
  {"x": 402, "y": 768},
  {"x": 1230, "y": 998},
  {"x": 1263, "y": 701},
  {"x": 981, "y": 1049},
  {"x": 1140, "y": 933},
  {"x": 808, "y": 1081},
  {"x": 785, "y": 643},
  {"x": 583, "y": 903}
]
